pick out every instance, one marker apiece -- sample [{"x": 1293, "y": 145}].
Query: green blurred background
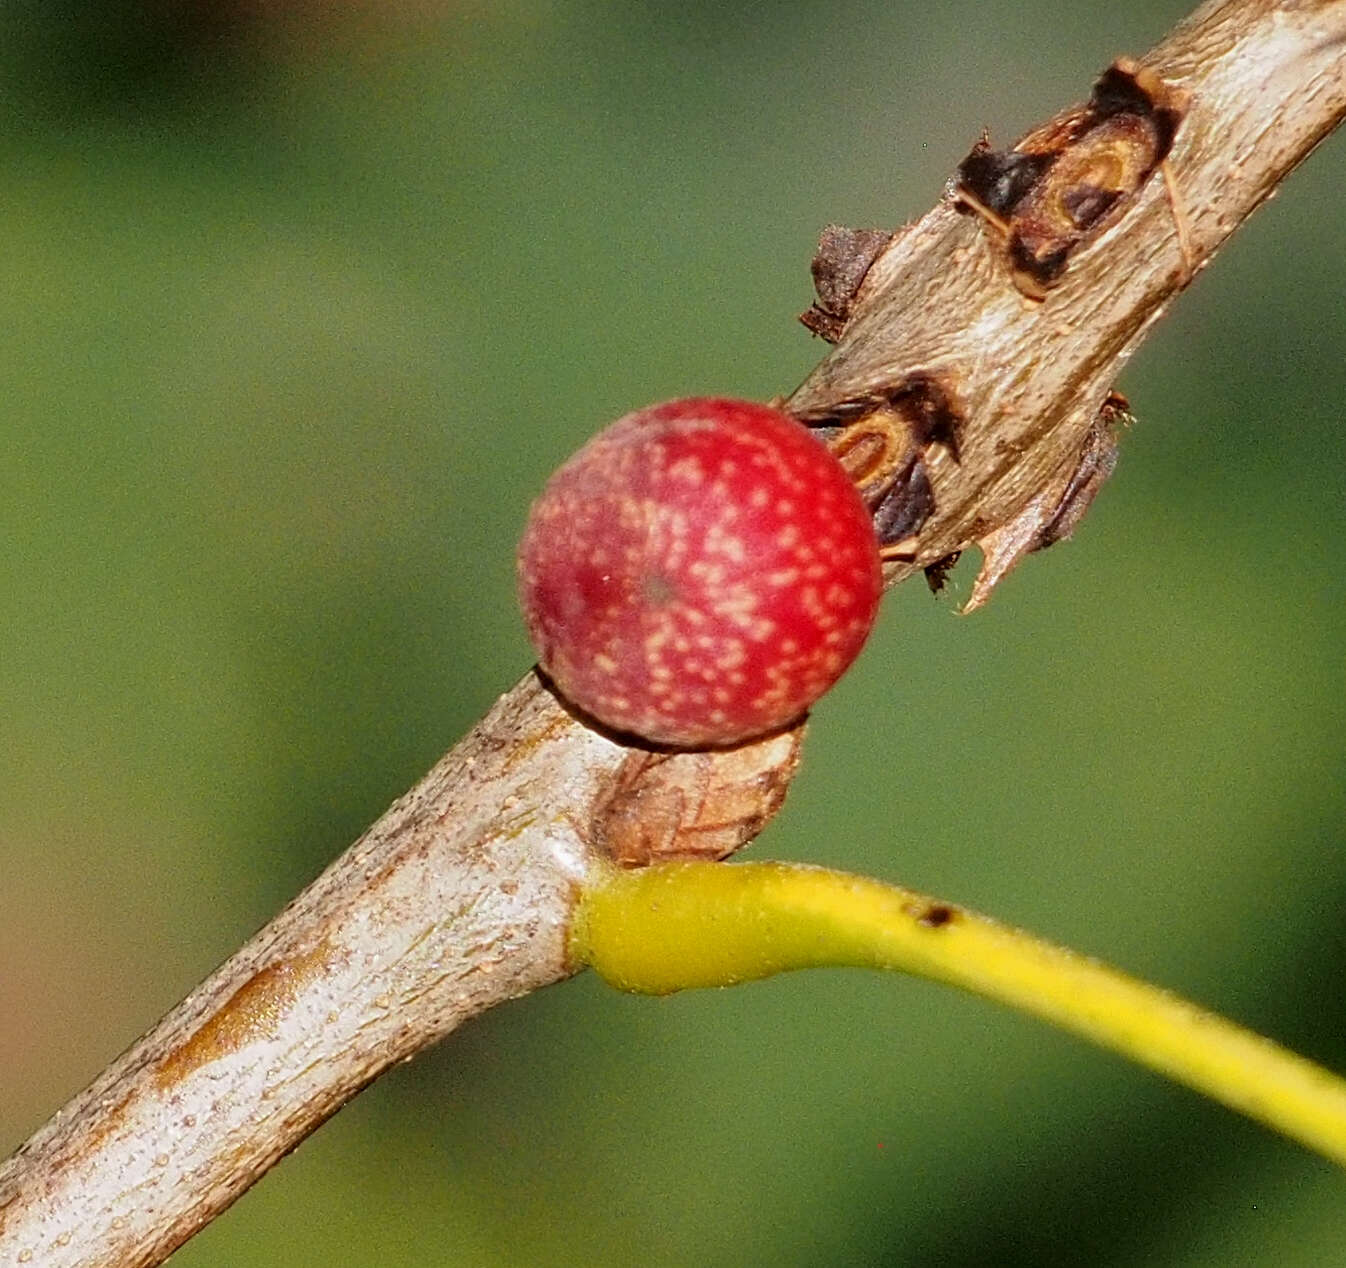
[{"x": 299, "y": 310}]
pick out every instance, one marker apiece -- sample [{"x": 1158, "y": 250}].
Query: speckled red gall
[{"x": 699, "y": 573}]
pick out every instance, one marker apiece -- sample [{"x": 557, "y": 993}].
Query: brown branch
[
  {"x": 968, "y": 389},
  {"x": 1264, "y": 82}
]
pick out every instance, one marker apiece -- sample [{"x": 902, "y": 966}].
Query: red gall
[{"x": 699, "y": 573}]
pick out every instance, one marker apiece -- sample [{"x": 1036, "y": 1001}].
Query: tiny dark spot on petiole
[{"x": 936, "y": 916}]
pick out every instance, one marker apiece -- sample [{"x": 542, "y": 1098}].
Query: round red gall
[{"x": 699, "y": 573}]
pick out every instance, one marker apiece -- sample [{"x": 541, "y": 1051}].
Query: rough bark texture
[
  {"x": 1264, "y": 83},
  {"x": 455, "y": 900},
  {"x": 986, "y": 397}
]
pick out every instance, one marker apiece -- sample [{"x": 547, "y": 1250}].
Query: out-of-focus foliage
[{"x": 302, "y": 302}]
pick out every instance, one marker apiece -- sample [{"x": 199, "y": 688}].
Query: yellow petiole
[{"x": 675, "y": 926}]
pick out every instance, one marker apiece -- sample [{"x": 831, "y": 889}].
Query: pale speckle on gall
[{"x": 699, "y": 573}]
